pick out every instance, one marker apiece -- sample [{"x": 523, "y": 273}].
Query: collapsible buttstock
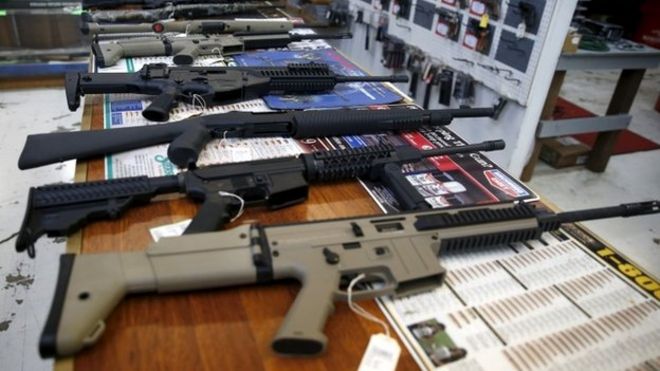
[{"x": 61, "y": 209}]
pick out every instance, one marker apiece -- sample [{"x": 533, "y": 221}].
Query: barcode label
[{"x": 382, "y": 354}]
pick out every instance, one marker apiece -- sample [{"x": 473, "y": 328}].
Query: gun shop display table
[
  {"x": 232, "y": 328},
  {"x": 224, "y": 329}
]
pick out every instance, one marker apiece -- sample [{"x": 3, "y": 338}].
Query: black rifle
[
  {"x": 58, "y": 210},
  {"x": 188, "y": 137},
  {"x": 183, "y": 11},
  {"x": 214, "y": 85}
]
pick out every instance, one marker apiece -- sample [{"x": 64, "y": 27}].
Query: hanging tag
[
  {"x": 483, "y": 22},
  {"x": 520, "y": 30},
  {"x": 169, "y": 230},
  {"x": 382, "y": 354}
]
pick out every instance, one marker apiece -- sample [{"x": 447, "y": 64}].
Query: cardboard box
[
  {"x": 571, "y": 42},
  {"x": 564, "y": 152}
]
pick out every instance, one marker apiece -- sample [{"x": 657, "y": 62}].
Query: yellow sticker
[{"x": 483, "y": 23}]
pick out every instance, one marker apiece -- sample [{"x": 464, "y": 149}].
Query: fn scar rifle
[
  {"x": 185, "y": 49},
  {"x": 203, "y": 26},
  {"x": 399, "y": 251}
]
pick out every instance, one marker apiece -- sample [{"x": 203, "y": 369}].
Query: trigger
[{"x": 95, "y": 334}]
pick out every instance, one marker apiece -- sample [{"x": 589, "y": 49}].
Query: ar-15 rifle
[
  {"x": 183, "y": 11},
  {"x": 188, "y": 137},
  {"x": 58, "y": 210},
  {"x": 202, "y": 26},
  {"x": 213, "y": 85},
  {"x": 186, "y": 49},
  {"x": 400, "y": 251}
]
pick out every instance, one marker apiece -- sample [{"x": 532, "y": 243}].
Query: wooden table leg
[
  {"x": 548, "y": 109},
  {"x": 622, "y": 100}
]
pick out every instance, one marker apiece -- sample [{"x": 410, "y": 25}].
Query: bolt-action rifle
[
  {"x": 188, "y": 137},
  {"x": 213, "y": 85},
  {"x": 169, "y": 11},
  {"x": 185, "y": 49},
  {"x": 400, "y": 251},
  {"x": 58, "y": 210},
  {"x": 147, "y": 4},
  {"x": 205, "y": 26}
]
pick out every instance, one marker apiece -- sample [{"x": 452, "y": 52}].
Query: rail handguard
[{"x": 400, "y": 251}]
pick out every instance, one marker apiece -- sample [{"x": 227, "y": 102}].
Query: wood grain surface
[{"x": 224, "y": 329}]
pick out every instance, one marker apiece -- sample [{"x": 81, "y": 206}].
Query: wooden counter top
[{"x": 224, "y": 329}]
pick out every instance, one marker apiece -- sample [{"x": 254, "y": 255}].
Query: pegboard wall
[
  {"x": 427, "y": 31},
  {"x": 496, "y": 42}
]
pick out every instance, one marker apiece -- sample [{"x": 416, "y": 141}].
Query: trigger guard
[
  {"x": 389, "y": 287},
  {"x": 233, "y": 206}
]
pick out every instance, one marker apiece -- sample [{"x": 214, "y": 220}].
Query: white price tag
[
  {"x": 169, "y": 230},
  {"x": 241, "y": 153},
  {"x": 478, "y": 8},
  {"x": 442, "y": 29},
  {"x": 382, "y": 354},
  {"x": 471, "y": 41},
  {"x": 520, "y": 30}
]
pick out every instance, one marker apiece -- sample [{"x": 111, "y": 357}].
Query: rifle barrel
[
  {"x": 489, "y": 145},
  {"x": 393, "y": 78},
  {"x": 623, "y": 210}
]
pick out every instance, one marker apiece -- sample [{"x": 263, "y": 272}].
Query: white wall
[{"x": 516, "y": 124}]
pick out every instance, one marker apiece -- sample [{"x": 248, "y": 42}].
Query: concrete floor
[
  {"x": 27, "y": 284},
  {"x": 628, "y": 178},
  {"x": 27, "y": 290}
]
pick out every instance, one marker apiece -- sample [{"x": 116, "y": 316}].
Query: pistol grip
[
  {"x": 159, "y": 109},
  {"x": 213, "y": 214},
  {"x": 184, "y": 149},
  {"x": 187, "y": 55},
  {"x": 301, "y": 333}
]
